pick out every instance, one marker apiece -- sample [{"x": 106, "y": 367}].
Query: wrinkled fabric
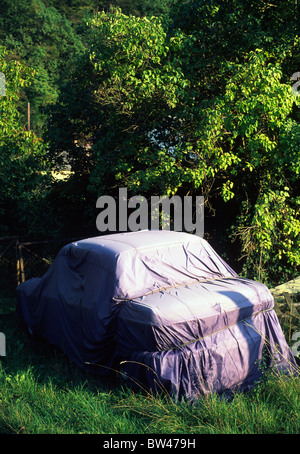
[
  {"x": 162, "y": 303},
  {"x": 229, "y": 360},
  {"x": 170, "y": 318}
]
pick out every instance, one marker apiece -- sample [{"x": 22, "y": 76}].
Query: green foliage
[
  {"x": 242, "y": 127},
  {"x": 128, "y": 55},
  {"x": 143, "y": 7},
  {"x": 124, "y": 90},
  {"x": 270, "y": 237},
  {"x": 250, "y": 143},
  {"x": 136, "y": 84},
  {"x": 23, "y": 163},
  {"x": 76, "y": 9},
  {"x": 177, "y": 97},
  {"x": 46, "y": 41},
  {"x": 202, "y": 107}
]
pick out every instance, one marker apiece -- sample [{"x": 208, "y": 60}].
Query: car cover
[{"x": 160, "y": 306}]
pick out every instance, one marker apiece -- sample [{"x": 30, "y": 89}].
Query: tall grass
[{"x": 41, "y": 392}]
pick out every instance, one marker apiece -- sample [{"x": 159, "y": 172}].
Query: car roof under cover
[{"x": 145, "y": 261}]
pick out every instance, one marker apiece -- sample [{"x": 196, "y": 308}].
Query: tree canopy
[
  {"x": 24, "y": 176},
  {"x": 165, "y": 98}
]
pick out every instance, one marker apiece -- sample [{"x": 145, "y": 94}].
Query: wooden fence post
[{"x": 20, "y": 264}]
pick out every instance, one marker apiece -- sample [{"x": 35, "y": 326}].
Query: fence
[
  {"x": 20, "y": 261},
  {"x": 8, "y": 264}
]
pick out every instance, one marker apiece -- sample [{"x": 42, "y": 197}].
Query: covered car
[{"x": 160, "y": 306}]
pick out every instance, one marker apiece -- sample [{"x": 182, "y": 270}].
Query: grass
[{"x": 42, "y": 392}]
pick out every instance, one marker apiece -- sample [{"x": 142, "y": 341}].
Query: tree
[
  {"x": 204, "y": 107},
  {"x": 120, "y": 99},
  {"x": 243, "y": 123},
  {"x": 24, "y": 173},
  {"x": 49, "y": 36},
  {"x": 248, "y": 148},
  {"x": 47, "y": 42}
]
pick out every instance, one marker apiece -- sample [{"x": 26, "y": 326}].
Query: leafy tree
[
  {"x": 49, "y": 36},
  {"x": 24, "y": 173},
  {"x": 125, "y": 89},
  {"x": 248, "y": 150},
  {"x": 202, "y": 107},
  {"x": 239, "y": 108},
  {"x": 46, "y": 41}
]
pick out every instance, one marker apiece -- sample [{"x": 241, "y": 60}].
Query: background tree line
[{"x": 161, "y": 97}]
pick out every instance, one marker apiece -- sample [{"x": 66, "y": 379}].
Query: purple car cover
[{"x": 162, "y": 307}]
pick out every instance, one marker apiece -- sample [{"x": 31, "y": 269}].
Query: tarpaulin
[{"x": 161, "y": 303}]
